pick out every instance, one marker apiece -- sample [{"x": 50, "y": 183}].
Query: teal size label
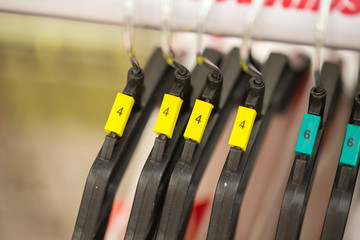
[
  {"x": 350, "y": 151},
  {"x": 307, "y": 135}
]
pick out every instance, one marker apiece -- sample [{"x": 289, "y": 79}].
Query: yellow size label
[
  {"x": 119, "y": 114},
  {"x": 198, "y": 120},
  {"x": 242, "y": 128},
  {"x": 168, "y": 115}
]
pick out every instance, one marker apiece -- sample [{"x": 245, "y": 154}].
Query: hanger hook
[
  {"x": 129, "y": 33},
  {"x": 168, "y": 54},
  {"x": 320, "y": 27},
  {"x": 202, "y": 18},
  {"x": 245, "y": 62}
]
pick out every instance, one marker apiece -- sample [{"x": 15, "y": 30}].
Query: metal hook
[
  {"x": 129, "y": 32},
  {"x": 166, "y": 11},
  {"x": 320, "y": 27},
  {"x": 248, "y": 32},
  {"x": 203, "y": 16}
]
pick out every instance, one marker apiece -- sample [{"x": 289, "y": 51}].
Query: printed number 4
[
  {"x": 120, "y": 111},
  {"x": 198, "y": 119},
  {"x": 166, "y": 112},
  {"x": 242, "y": 124}
]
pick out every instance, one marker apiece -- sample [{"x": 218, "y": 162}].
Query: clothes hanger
[
  {"x": 127, "y": 119},
  {"x": 218, "y": 102},
  {"x": 155, "y": 175},
  {"x": 321, "y": 104},
  {"x": 250, "y": 125},
  {"x": 170, "y": 126},
  {"x": 345, "y": 178}
]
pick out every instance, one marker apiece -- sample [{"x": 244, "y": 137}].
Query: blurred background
[{"x": 58, "y": 80}]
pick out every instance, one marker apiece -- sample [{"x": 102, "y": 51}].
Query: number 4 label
[
  {"x": 120, "y": 111},
  {"x": 166, "y": 112},
  {"x": 198, "y": 119},
  {"x": 242, "y": 128},
  {"x": 242, "y": 124},
  {"x": 168, "y": 115}
]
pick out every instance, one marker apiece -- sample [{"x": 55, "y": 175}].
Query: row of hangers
[{"x": 189, "y": 123}]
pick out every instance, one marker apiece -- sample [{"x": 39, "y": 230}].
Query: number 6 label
[
  {"x": 351, "y": 146},
  {"x": 307, "y": 134}
]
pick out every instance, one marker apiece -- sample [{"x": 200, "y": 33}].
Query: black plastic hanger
[
  {"x": 345, "y": 179},
  {"x": 190, "y": 167},
  {"x": 112, "y": 160},
  {"x": 281, "y": 80},
  {"x": 154, "y": 178},
  {"x": 322, "y": 104}
]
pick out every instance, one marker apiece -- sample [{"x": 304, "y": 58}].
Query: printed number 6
[
  {"x": 350, "y": 142},
  {"x": 307, "y": 134}
]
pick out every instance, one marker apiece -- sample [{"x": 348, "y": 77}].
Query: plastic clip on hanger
[
  {"x": 127, "y": 119},
  {"x": 345, "y": 179}
]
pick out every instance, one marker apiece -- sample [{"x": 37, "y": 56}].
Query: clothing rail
[{"x": 291, "y": 21}]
